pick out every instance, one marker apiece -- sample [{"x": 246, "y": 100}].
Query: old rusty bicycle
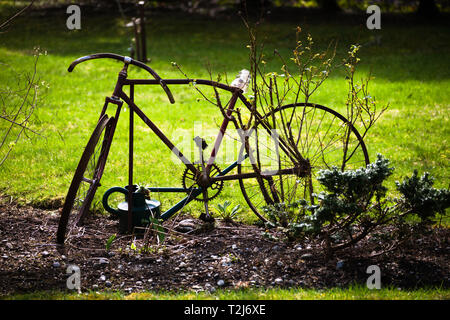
[{"x": 297, "y": 141}]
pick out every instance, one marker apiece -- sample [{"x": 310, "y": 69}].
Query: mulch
[{"x": 208, "y": 257}]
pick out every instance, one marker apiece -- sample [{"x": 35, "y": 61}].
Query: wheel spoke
[{"x": 311, "y": 125}]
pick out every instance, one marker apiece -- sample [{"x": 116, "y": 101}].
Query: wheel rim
[
  {"x": 91, "y": 176},
  {"x": 90, "y": 168},
  {"x": 307, "y": 135}
]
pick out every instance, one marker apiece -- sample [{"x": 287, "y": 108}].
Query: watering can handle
[{"x": 106, "y": 196}]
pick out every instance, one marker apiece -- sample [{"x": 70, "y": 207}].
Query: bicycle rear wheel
[
  {"x": 307, "y": 137},
  {"x": 87, "y": 177}
]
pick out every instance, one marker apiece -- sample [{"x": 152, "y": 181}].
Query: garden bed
[{"x": 224, "y": 256}]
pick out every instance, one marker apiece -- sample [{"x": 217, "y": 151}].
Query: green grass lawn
[
  {"x": 352, "y": 293},
  {"x": 410, "y": 66}
]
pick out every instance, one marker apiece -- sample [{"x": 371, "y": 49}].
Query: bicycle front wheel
[
  {"x": 87, "y": 177},
  {"x": 306, "y": 138}
]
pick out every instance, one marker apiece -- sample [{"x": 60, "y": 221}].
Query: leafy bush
[
  {"x": 421, "y": 199},
  {"x": 355, "y": 203}
]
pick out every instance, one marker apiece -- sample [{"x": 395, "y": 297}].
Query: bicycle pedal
[{"x": 200, "y": 142}]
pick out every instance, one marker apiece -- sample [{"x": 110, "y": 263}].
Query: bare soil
[{"x": 208, "y": 257}]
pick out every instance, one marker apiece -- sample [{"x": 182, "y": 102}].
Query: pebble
[
  {"x": 9, "y": 245},
  {"x": 56, "y": 264},
  {"x": 103, "y": 261},
  {"x": 45, "y": 253},
  {"x": 139, "y": 283},
  {"x": 255, "y": 249},
  {"x": 226, "y": 261},
  {"x": 211, "y": 289},
  {"x": 102, "y": 277},
  {"x": 340, "y": 264},
  {"x": 234, "y": 247},
  {"x": 187, "y": 225},
  {"x": 278, "y": 280},
  {"x": 279, "y": 263},
  {"x": 108, "y": 284},
  {"x": 306, "y": 256},
  {"x": 182, "y": 264},
  {"x": 221, "y": 283}
]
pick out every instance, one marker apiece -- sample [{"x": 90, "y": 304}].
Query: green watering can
[{"x": 143, "y": 207}]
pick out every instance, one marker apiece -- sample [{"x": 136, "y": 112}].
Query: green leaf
[{"x": 110, "y": 241}]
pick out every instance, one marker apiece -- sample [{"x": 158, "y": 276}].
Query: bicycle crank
[{"x": 190, "y": 180}]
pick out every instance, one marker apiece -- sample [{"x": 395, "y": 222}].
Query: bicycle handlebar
[{"x": 127, "y": 60}]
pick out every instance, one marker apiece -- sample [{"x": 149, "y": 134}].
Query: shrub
[{"x": 355, "y": 203}]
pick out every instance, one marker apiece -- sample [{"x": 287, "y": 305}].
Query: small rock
[
  {"x": 44, "y": 253},
  {"x": 340, "y": 264},
  {"x": 139, "y": 283},
  {"x": 56, "y": 264},
  {"x": 63, "y": 257},
  {"x": 103, "y": 261},
  {"x": 211, "y": 289},
  {"x": 108, "y": 284},
  {"x": 278, "y": 281},
  {"x": 279, "y": 263},
  {"x": 306, "y": 256},
  {"x": 9, "y": 245},
  {"x": 298, "y": 247},
  {"x": 186, "y": 225},
  {"x": 234, "y": 247},
  {"x": 102, "y": 277},
  {"x": 197, "y": 287},
  {"x": 226, "y": 262},
  {"x": 275, "y": 248},
  {"x": 182, "y": 264},
  {"x": 221, "y": 283},
  {"x": 255, "y": 249}
]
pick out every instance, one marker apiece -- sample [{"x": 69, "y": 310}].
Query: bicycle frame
[{"x": 119, "y": 96}]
